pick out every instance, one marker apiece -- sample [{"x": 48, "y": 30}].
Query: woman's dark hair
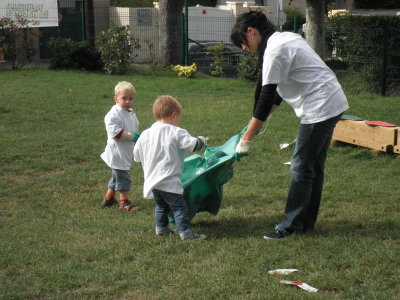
[{"x": 255, "y": 19}]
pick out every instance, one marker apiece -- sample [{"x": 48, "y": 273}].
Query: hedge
[
  {"x": 369, "y": 44},
  {"x": 373, "y": 4}
]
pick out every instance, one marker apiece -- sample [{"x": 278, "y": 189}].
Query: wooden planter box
[
  {"x": 374, "y": 137},
  {"x": 396, "y": 148}
]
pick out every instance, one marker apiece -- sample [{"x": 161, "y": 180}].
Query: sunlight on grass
[{"x": 57, "y": 243}]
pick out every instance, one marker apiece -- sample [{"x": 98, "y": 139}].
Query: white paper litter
[
  {"x": 285, "y": 145},
  {"x": 301, "y": 285},
  {"x": 282, "y": 271},
  {"x": 307, "y": 288}
]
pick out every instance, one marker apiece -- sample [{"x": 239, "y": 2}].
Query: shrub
[
  {"x": 337, "y": 63},
  {"x": 185, "y": 71},
  {"x": 373, "y": 4},
  {"x": 369, "y": 44},
  {"x": 87, "y": 57},
  {"x": 294, "y": 18},
  {"x": 116, "y": 48},
  {"x": 69, "y": 54},
  {"x": 61, "y": 50},
  {"x": 248, "y": 67},
  {"x": 216, "y": 52},
  {"x": 153, "y": 61},
  {"x": 17, "y": 40}
]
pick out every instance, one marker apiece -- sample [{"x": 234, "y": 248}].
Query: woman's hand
[{"x": 243, "y": 147}]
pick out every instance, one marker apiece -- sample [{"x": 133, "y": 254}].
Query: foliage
[
  {"x": 373, "y": 4},
  {"x": 334, "y": 14},
  {"x": 17, "y": 40},
  {"x": 57, "y": 243},
  {"x": 294, "y": 18},
  {"x": 152, "y": 53},
  {"x": 116, "y": 47},
  {"x": 185, "y": 71},
  {"x": 149, "y": 3},
  {"x": 248, "y": 67},
  {"x": 62, "y": 52},
  {"x": 69, "y": 54},
  {"x": 366, "y": 42},
  {"x": 87, "y": 56},
  {"x": 337, "y": 63},
  {"x": 217, "y": 53}
]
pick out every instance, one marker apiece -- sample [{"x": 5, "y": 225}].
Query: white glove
[
  {"x": 243, "y": 147},
  {"x": 203, "y": 139}
]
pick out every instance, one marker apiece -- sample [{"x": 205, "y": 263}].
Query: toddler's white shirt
[
  {"x": 304, "y": 81},
  {"x": 119, "y": 154},
  {"x": 161, "y": 150}
]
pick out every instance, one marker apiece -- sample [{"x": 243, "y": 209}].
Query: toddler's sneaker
[
  {"x": 109, "y": 202},
  {"x": 164, "y": 231},
  {"x": 128, "y": 206},
  {"x": 190, "y": 235}
]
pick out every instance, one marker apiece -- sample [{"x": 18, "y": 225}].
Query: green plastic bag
[{"x": 204, "y": 176}]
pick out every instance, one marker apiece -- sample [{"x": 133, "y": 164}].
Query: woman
[{"x": 292, "y": 71}]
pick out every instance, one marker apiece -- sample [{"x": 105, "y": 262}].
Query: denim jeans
[
  {"x": 120, "y": 180},
  {"x": 166, "y": 202},
  {"x": 307, "y": 170}
]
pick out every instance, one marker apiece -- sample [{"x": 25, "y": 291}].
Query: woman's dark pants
[{"x": 307, "y": 169}]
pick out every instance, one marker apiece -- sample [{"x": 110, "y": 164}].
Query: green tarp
[{"x": 204, "y": 176}]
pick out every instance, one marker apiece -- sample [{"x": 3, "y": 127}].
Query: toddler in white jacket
[{"x": 122, "y": 128}]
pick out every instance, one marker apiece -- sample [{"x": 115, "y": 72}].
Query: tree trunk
[
  {"x": 170, "y": 31},
  {"x": 315, "y": 25}
]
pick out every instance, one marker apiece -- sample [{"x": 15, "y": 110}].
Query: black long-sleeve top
[{"x": 265, "y": 96}]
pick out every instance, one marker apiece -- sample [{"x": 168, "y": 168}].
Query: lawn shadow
[
  {"x": 237, "y": 226},
  {"x": 255, "y": 225},
  {"x": 238, "y": 219},
  {"x": 381, "y": 230}
]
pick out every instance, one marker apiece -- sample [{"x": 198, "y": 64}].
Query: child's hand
[
  {"x": 129, "y": 136},
  {"x": 204, "y": 140},
  {"x": 136, "y": 136}
]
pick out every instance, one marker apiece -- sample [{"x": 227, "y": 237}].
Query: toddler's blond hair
[
  {"x": 124, "y": 86},
  {"x": 165, "y": 106}
]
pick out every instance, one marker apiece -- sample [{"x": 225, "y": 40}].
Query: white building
[{"x": 205, "y": 24}]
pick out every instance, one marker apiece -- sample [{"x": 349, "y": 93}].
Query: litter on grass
[
  {"x": 301, "y": 285},
  {"x": 282, "y": 271},
  {"x": 285, "y": 145}
]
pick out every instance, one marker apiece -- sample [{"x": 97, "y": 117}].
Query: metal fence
[
  {"x": 371, "y": 55},
  {"x": 82, "y": 20}
]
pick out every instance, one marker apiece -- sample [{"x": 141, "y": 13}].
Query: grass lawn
[{"x": 57, "y": 243}]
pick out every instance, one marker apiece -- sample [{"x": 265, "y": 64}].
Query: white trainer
[
  {"x": 164, "y": 231},
  {"x": 190, "y": 235}
]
